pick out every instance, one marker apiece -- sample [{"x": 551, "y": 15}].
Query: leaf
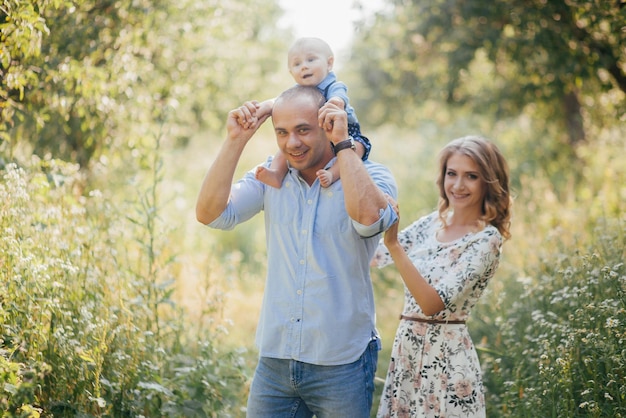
[{"x": 155, "y": 387}]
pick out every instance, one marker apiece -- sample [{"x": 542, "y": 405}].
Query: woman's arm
[{"x": 424, "y": 294}]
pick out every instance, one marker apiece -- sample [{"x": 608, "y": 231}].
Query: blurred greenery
[
  {"x": 114, "y": 301},
  {"x": 82, "y": 79},
  {"x": 499, "y": 57}
]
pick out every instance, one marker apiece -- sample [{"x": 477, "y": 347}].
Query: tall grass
[
  {"x": 88, "y": 325},
  {"x": 556, "y": 348}
]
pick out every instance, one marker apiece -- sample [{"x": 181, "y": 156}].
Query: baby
[{"x": 310, "y": 62}]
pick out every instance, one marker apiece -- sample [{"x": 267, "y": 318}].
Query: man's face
[{"x": 299, "y": 135}]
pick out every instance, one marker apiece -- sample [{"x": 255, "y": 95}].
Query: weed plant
[
  {"x": 88, "y": 325},
  {"x": 559, "y": 347}
]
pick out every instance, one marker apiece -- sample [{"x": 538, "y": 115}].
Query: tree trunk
[{"x": 573, "y": 118}]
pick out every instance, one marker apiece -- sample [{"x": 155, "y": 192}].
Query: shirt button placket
[{"x": 303, "y": 248}]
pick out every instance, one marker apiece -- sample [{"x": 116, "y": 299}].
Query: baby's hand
[
  {"x": 265, "y": 108},
  {"x": 337, "y": 101},
  {"x": 248, "y": 115}
]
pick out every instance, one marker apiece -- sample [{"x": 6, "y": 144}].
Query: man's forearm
[
  {"x": 363, "y": 198},
  {"x": 215, "y": 189}
]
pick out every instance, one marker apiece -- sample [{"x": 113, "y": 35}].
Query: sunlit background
[{"x": 115, "y": 301}]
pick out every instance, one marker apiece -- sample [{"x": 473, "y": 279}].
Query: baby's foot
[
  {"x": 325, "y": 177},
  {"x": 269, "y": 177}
]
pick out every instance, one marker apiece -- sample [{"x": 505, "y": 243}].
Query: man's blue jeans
[{"x": 292, "y": 389}]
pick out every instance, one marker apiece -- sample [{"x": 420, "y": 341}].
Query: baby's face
[{"x": 309, "y": 65}]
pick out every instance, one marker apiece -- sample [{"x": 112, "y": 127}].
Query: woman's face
[{"x": 463, "y": 184}]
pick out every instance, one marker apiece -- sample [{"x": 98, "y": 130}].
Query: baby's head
[{"x": 309, "y": 61}]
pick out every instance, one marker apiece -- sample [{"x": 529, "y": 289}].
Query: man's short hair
[{"x": 312, "y": 92}]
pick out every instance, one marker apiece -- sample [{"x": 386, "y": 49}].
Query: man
[{"x": 316, "y": 335}]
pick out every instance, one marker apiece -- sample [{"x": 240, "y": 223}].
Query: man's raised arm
[
  {"x": 241, "y": 124},
  {"x": 363, "y": 198}
]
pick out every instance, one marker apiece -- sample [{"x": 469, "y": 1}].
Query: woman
[{"x": 446, "y": 260}]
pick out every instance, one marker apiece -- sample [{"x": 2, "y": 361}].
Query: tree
[
  {"x": 520, "y": 52},
  {"x": 21, "y": 31},
  {"x": 60, "y": 92},
  {"x": 78, "y": 78}
]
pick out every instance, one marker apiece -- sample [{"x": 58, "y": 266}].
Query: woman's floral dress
[{"x": 434, "y": 369}]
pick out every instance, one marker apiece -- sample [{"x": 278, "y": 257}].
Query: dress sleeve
[{"x": 469, "y": 271}]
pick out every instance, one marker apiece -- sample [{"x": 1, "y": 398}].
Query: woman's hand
[{"x": 391, "y": 234}]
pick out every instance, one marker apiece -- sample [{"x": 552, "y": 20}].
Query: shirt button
[
  {"x": 304, "y": 232},
  {"x": 299, "y": 292},
  {"x": 293, "y": 319},
  {"x": 309, "y": 201},
  {"x": 302, "y": 262}
]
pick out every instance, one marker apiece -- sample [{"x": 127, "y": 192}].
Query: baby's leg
[
  {"x": 275, "y": 173},
  {"x": 328, "y": 177}
]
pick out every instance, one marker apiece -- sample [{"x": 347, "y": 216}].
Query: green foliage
[
  {"x": 21, "y": 33},
  {"x": 560, "y": 345},
  {"x": 495, "y": 57},
  {"x": 88, "y": 325},
  {"x": 91, "y": 272},
  {"x": 549, "y": 330},
  {"x": 86, "y": 78}
]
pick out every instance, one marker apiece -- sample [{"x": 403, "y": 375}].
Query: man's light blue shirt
[{"x": 318, "y": 305}]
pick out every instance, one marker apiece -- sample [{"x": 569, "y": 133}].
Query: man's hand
[
  {"x": 334, "y": 121},
  {"x": 245, "y": 120},
  {"x": 337, "y": 101}
]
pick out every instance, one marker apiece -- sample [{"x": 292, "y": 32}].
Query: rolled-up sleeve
[
  {"x": 246, "y": 200},
  {"x": 387, "y": 217}
]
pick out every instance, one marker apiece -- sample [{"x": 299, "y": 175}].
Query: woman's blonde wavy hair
[{"x": 494, "y": 172}]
